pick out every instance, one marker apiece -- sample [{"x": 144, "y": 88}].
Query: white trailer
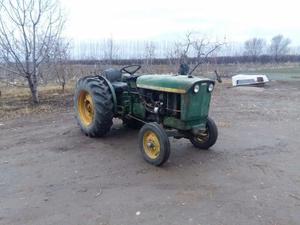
[{"x": 247, "y": 79}]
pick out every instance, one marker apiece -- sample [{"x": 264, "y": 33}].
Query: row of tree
[
  {"x": 256, "y": 47},
  {"x": 110, "y": 49}
]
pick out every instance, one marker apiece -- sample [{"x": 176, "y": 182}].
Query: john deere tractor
[{"x": 161, "y": 105}]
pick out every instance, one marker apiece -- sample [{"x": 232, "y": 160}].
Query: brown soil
[{"x": 50, "y": 173}]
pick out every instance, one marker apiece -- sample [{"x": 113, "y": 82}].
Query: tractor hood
[{"x": 169, "y": 83}]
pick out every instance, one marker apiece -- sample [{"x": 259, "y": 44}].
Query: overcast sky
[{"x": 169, "y": 19}]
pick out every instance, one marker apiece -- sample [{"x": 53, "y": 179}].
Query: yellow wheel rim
[
  {"x": 202, "y": 137},
  {"x": 85, "y": 107},
  {"x": 151, "y": 144}
]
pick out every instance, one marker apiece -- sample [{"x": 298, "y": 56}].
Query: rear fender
[{"x": 112, "y": 90}]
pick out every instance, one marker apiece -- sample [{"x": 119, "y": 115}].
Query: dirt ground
[{"x": 50, "y": 173}]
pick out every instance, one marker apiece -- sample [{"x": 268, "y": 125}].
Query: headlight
[
  {"x": 210, "y": 87},
  {"x": 196, "y": 88}
]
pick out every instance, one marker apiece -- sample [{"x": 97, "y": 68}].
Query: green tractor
[{"x": 161, "y": 105}]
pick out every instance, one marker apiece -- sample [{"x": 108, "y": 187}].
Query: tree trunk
[
  {"x": 63, "y": 87},
  {"x": 33, "y": 89}
]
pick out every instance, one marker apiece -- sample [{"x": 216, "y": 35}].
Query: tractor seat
[
  {"x": 112, "y": 75},
  {"x": 119, "y": 87}
]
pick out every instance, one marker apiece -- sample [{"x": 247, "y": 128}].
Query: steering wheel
[{"x": 125, "y": 69}]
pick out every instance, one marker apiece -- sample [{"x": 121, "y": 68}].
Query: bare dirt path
[{"x": 52, "y": 174}]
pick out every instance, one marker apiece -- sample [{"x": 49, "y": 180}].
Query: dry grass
[{"x": 16, "y": 102}]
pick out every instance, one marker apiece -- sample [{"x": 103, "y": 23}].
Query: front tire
[
  {"x": 154, "y": 144},
  {"x": 93, "y": 106},
  {"x": 208, "y": 138}
]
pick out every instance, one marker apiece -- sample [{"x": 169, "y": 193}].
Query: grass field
[
  {"x": 289, "y": 71},
  {"x": 16, "y": 102}
]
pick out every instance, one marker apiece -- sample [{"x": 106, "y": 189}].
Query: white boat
[{"x": 247, "y": 79}]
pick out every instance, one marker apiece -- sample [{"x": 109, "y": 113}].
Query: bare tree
[
  {"x": 173, "y": 52},
  {"x": 203, "y": 48},
  {"x": 29, "y": 30},
  {"x": 279, "y": 46},
  {"x": 180, "y": 53},
  {"x": 194, "y": 46},
  {"x": 182, "y": 48},
  {"x": 149, "y": 52},
  {"x": 110, "y": 50},
  {"x": 254, "y": 47},
  {"x": 59, "y": 62}
]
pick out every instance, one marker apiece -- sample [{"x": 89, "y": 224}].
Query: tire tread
[{"x": 103, "y": 106}]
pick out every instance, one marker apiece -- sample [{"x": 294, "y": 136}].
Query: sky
[{"x": 170, "y": 19}]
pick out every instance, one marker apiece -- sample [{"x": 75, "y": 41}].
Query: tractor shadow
[
  {"x": 124, "y": 142},
  {"x": 184, "y": 154},
  {"x": 120, "y": 137},
  {"x": 119, "y": 131}
]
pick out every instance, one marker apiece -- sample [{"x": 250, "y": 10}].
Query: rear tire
[
  {"x": 154, "y": 144},
  {"x": 93, "y": 106},
  {"x": 207, "y": 139}
]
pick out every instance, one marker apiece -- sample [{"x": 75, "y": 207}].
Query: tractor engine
[
  {"x": 159, "y": 104},
  {"x": 176, "y": 101}
]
